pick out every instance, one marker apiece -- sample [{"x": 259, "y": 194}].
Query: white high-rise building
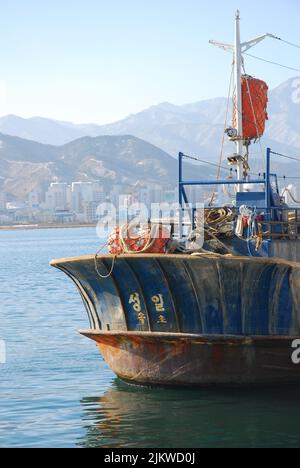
[
  {"x": 34, "y": 199},
  {"x": 3, "y": 201},
  {"x": 56, "y": 197},
  {"x": 98, "y": 193},
  {"x": 81, "y": 193},
  {"x": 84, "y": 193}
]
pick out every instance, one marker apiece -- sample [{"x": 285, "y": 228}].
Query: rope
[
  {"x": 96, "y": 264},
  {"x": 226, "y": 191},
  {"x": 152, "y": 235},
  {"x": 213, "y": 196},
  {"x": 216, "y": 217},
  {"x": 286, "y": 190},
  {"x": 218, "y": 240},
  {"x": 253, "y": 233}
]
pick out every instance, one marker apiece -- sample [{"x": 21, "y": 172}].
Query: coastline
[{"x": 28, "y": 227}]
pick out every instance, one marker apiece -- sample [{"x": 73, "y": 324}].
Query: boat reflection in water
[{"x": 128, "y": 416}]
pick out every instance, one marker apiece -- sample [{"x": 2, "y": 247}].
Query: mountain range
[
  {"x": 113, "y": 160},
  {"x": 195, "y": 129},
  {"x": 139, "y": 149}
]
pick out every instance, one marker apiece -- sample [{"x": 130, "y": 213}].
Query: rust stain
[
  {"x": 145, "y": 360},
  {"x": 217, "y": 355}
]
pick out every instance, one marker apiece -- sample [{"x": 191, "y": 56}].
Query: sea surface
[{"x": 56, "y": 391}]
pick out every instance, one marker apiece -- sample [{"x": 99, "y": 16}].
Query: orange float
[
  {"x": 254, "y": 102},
  {"x": 151, "y": 240}
]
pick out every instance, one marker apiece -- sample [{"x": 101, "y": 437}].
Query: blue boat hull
[{"x": 192, "y": 320}]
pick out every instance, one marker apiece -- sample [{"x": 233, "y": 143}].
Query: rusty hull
[{"x": 197, "y": 360}]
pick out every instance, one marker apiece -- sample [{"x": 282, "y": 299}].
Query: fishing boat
[{"x": 215, "y": 301}]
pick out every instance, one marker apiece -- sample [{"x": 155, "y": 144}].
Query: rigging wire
[
  {"x": 288, "y": 177},
  {"x": 285, "y": 156},
  {"x": 193, "y": 158},
  {"x": 287, "y": 42},
  {"x": 261, "y": 152},
  {"x": 223, "y": 136},
  {"x": 273, "y": 63}
]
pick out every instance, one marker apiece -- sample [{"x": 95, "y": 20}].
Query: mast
[
  {"x": 238, "y": 48},
  {"x": 239, "y": 104}
]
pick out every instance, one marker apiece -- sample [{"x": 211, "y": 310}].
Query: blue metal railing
[
  {"x": 265, "y": 180},
  {"x": 275, "y": 217}
]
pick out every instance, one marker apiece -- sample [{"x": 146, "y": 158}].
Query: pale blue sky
[{"x": 98, "y": 61}]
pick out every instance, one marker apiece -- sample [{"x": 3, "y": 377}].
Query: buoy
[
  {"x": 254, "y": 104},
  {"x": 150, "y": 239}
]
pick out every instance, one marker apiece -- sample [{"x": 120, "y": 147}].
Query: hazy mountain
[
  {"x": 198, "y": 128},
  {"x": 26, "y": 165},
  {"x": 192, "y": 128},
  {"x": 40, "y": 129}
]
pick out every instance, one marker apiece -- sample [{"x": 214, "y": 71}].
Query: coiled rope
[{"x": 153, "y": 231}]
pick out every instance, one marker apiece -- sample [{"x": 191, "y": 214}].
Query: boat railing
[
  {"x": 279, "y": 221},
  {"x": 287, "y": 224}
]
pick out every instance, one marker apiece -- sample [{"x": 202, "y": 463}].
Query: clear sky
[{"x": 100, "y": 60}]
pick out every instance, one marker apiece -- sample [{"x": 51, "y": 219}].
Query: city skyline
[{"x": 78, "y": 202}]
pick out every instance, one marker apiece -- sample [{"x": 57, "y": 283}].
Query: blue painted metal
[
  {"x": 104, "y": 296},
  {"x": 221, "y": 182},
  {"x": 159, "y": 300},
  {"x": 130, "y": 293},
  {"x": 190, "y": 319},
  {"x": 182, "y": 194},
  {"x": 268, "y": 184},
  {"x": 257, "y": 199},
  {"x": 229, "y": 320},
  {"x": 211, "y": 296},
  {"x": 267, "y": 203},
  {"x": 180, "y": 156},
  {"x": 241, "y": 247}
]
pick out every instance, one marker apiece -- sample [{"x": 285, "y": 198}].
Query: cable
[
  {"x": 288, "y": 177},
  {"x": 285, "y": 156},
  {"x": 206, "y": 162},
  {"x": 289, "y": 43},
  {"x": 273, "y": 63},
  {"x": 213, "y": 196}
]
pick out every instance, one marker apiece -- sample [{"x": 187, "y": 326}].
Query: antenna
[{"x": 238, "y": 48}]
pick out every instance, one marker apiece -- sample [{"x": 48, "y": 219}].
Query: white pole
[
  {"x": 239, "y": 108},
  {"x": 238, "y": 48}
]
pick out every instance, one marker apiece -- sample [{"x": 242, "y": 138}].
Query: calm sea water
[{"x": 56, "y": 391}]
